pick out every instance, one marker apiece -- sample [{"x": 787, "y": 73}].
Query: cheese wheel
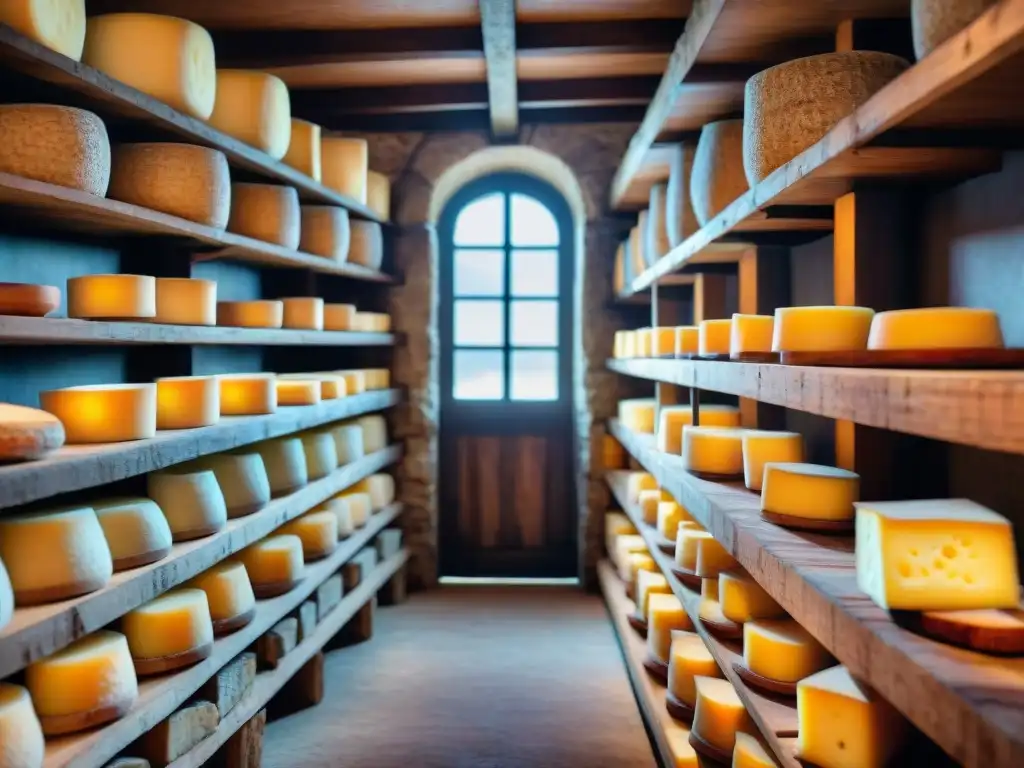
[
  {"x": 185, "y": 301},
  {"x": 304, "y": 148},
  {"x": 191, "y": 501},
  {"x": 378, "y": 194},
  {"x": 247, "y": 394},
  {"x": 57, "y": 24},
  {"x": 619, "y": 271},
  {"x": 687, "y": 541},
  {"x": 936, "y": 328},
  {"x": 179, "y": 179},
  {"x": 372, "y": 322},
  {"x": 717, "y": 176},
  {"x": 377, "y": 378},
  {"x": 345, "y": 163},
  {"x": 637, "y": 414},
  {"x": 821, "y": 329},
  {"x": 714, "y": 337},
  {"x": 359, "y": 506},
  {"x": 321, "y": 454},
  {"x": 664, "y": 614},
  {"x": 649, "y": 583},
  {"x": 381, "y": 488},
  {"x": 318, "y": 532},
  {"x": 28, "y": 300},
  {"x": 254, "y": 107},
  {"x": 636, "y": 483},
  {"x": 689, "y": 658},
  {"x": 656, "y": 239},
  {"x": 104, "y": 413},
  {"x": 242, "y": 478},
  {"x": 6, "y": 597},
  {"x": 375, "y": 433},
  {"x": 304, "y": 313},
  {"x": 355, "y": 381},
  {"x": 641, "y": 226},
  {"x": 339, "y": 317},
  {"x": 625, "y": 545},
  {"x": 687, "y": 340},
  {"x": 186, "y": 402},
  {"x": 713, "y": 450},
  {"x": 751, "y": 334},
  {"x": 95, "y": 673},
  {"x": 682, "y": 221},
  {"x": 168, "y": 58},
  {"x": 644, "y": 342},
  {"x": 809, "y": 491},
  {"x": 57, "y": 145},
  {"x": 718, "y": 713},
  {"x": 348, "y": 442},
  {"x": 751, "y": 753},
  {"x": 136, "y": 531},
  {"x": 342, "y": 513},
  {"x": 267, "y": 212},
  {"x": 628, "y": 344},
  {"x": 780, "y": 649},
  {"x": 763, "y": 446},
  {"x": 274, "y": 560},
  {"x": 228, "y": 590},
  {"x": 933, "y": 22},
  {"x": 619, "y": 345},
  {"x": 55, "y": 554},
  {"x": 366, "y": 244},
  {"x": 112, "y": 297},
  {"x": 325, "y": 231},
  {"x": 28, "y": 433},
  {"x": 21, "y": 736},
  {"x": 250, "y": 314},
  {"x": 672, "y": 419},
  {"x": 743, "y": 599},
  {"x": 709, "y": 587},
  {"x": 663, "y": 342},
  {"x": 298, "y": 391},
  {"x": 176, "y": 622},
  {"x": 712, "y": 559},
  {"x": 331, "y": 387},
  {"x": 285, "y": 461}
]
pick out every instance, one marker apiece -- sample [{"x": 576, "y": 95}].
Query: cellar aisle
[{"x": 474, "y": 677}]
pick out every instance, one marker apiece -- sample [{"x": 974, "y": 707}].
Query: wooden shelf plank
[
  {"x": 160, "y": 696},
  {"x": 268, "y": 683},
  {"x": 89, "y": 88},
  {"x": 73, "y": 468},
  {"x": 968, "y": 703},
  {"x": 41, "y": 630},
  {"x": 984, "y": 409}
]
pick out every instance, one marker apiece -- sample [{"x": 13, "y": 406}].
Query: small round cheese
[
  {"x": 135, "y": 529},
  {"x": 285, "y": 461},
  {"x": 763, "y": 446},
  {"x": 191, "y": 501},
  {"x": 321, "y": 453},
  {"x": 381, "y": 488},
  {"x": 359, "y": 506},
  {"x": 187, "y": 402},
  {"x": 112, "y": 297},
  {"x": 936, "y": 328},
  {"x": 713, "y": 450},
  {"x": 780, "y": 649},
  {"x": 250, "y": 314},
  {"x": 57, "y": 24},
  {"x": 254, "y": 107},
  {"x": 637, "y": 414},
  {"x": 372, "y": 322},
  {"x": 298, "y": 391},
  {"x": 378, "y": 194},
  {"x": 366, "y": 244},
  {"x": 751, "y": 333},
  {"x": 174, "y": 623},
  {"x": 344, "y": 164},
  {"x": 714, "y": 337},
  {"x": 332, "y": 386},
  {"x": 104, "y": 413},
  {"x": 242, "y": 478},
  {"x": 342, "y": 514},
  {"x": 228, "y": 590},
  {"x": 28, "y": 299},
  {"x": 717, "y": 177},
  {"x": 809, "y": 491},
  {"x": 821, "y": 329},
  {"x": 348, "y": 442},
  {"x": 304, "y": 313},
  {"x": 318, "y": 531},
  {"x": 247, "y": 394},
  {"x": 325, "y": 232},
  {"x": 6, "y": 597},
  {"x": 28, "y": 433},
  {"x": 304, "y": 148},
  {"x": 21, "y": 736},
  {"x": 267, "y": 212},
  {"x": 339, "y": 317},
  {"x": 663, "y": 342},
  {"x": 274, "y": 560},
  {"x": 185, "y": 301}
]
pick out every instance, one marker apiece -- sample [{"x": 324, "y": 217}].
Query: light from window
[
  {"x": 478, "y": 374},
  {"x": 479, "y": 273},
  {"x": 532, "y": 223},
  {"x": 479, "y": 323},
  {"x": 534, "y": 323},
  {"x": 534, "y": 273},
  {"x": 534, "y": 375},
  {"x": 482, "y": 222}
]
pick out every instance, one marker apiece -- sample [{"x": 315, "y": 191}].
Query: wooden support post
[
  {"x": 231, "y": 683},
  {"x": 277, "y": 642},
  {"x": 307, "y": 616},
  {"x": 359, "y": 628},
  {"x": 394, "y": 590},
  {"x": 176, "y": 735},
  {"x": 888, "y": 35},
  {"x": 245, "y": 747},
  {"x": 304, "y": 690}
]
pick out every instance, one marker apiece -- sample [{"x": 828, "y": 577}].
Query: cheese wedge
[
  {"x": 751, "y": 334},
  {"x": 743, "y": 599},
  {"x": 267, "y": 212},
  {"x": 638, "y": 482},
  {"x": 378, "y": 194},
  {"x": 936, "y": 328},
  {"x": 190, "y": 499},
  {"x": 321, "y": 454},
  {"x": 648, "y": 502},
  {"x": 112, "y": 297},
  {"x": 185, "y": 301},
  {"x": 687, "y": 340},
  {"x": 21, "y": 736},
  {"x": 133, "y": 528},
  {"x": 821, "y": 329},
  {"x": 359, "y": 508},
  {"x": 751, "y": 753},
  {"x": 274, "y": 560},
  {"x": 713, "y": 450},
  {"x": 318, "y": 532},
  {"x": 670, "y": 515},
  {"x": 664, "y": 613},
  {"x": 176, "y": 622},
  {"x": 663, "y": 342},
  {"x": 672, "y": 419},
  {"x": 643, "y": 342},
  {"x": 298, "y": 391},
  {"x": 809, "y": 491},
  {"x": 625, "y": 545},
  {"x": 780, "y": 649},
  {"x": 326, "y": 231},
  {"x": 348, "y": 442},
  {"x": 649, "y": 583},
  {"x": 247, "y": 394},
  {"x": 285, "y": 460},
  {"x": 687, "y": 542},
  {"x": 718, "y": 713},
  {"x": 254, "y": 107},
  {"x": 242, "y": 478},
  {"x": 250, "y": 314},
  {"x": 304, "y": 148},
  {"x": 638, "y": 414},
  {"x": 104, "y": 413},
  {"x": 187, "y": 402},
  {"x": 762, "y": 446},
  {"x": 228, "y": 590},
  {"x": 689, "y": 658},
  {"x": 375, "y": 433},
  {"x": 60, "y": 26},
  {"x": 712, "y": 559},
  {"x": 636, "y": 562},
  {"x": 344, "y": 165},
  {"x": 714, "y": 337},
  {"x": 303, "y": 313}
]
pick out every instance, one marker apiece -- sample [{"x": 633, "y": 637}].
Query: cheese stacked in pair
[
  {"x": 821, "y": 329},
  {"x": 751, "y": 334},
  {"x": 713, "y": 450},
  {"x": 136, "y": 531},
  {"x": 809, "y": 491},
  {"x": 714, "y": 337},
  {"x": 649, "y": 583},
  {"x": 936, "y": 328},
  {"x": 318, "y": 532},
  {"x": 187, "y": 402},
  {"x": 103, "y": 413},
  {"x": 782, "y": 650},
  {"x": 672, "y": 419},
  {"x": 763, "y": 446},
  {"x": 228, "y": 590},
  {"x": 191, "y": 500},
  {"x": 689, "y": 658},
  {"x": 274, "y": 564},
  {"x": 177, "y": 622},
  {"x": 285, "y": 460},
  {"x": 21, "y": 736},
  {"x": 664, "y": 614}
]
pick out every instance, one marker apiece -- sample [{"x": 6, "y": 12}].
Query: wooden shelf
[
  {"x": 83, "y": 86},
  {"x": 41, "y": 630},
  {"x": 967, "y": 703},
  {"x": 160, "y": 696},
  {"x": 984, "y": 409},
  {"x": 73, "y": 468},
  {"x": 268, "y": 683},
  {"x": 62, "y": 330}
]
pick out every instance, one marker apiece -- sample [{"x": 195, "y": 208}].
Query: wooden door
[{"x": 506, "y": 487}]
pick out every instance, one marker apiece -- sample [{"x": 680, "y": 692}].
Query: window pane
[
  {"x": 479, "y": 273},
  {"x": 534, "y": 375},
  {"x": 532, "y": 223},
  {"x": 482, "y": 222},
  {"x": 479, "y": 323},
  {"x": 534, "y": 273},
  {"x": 534, "y": 323},
  {"x": 478, "y": 374}
]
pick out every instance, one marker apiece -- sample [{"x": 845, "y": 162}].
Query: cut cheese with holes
[
  {"x": 321, "y": 454},
  {"x": 936, "y": 555},
  {"x": 21, "y": 736},
  {"x": 250, "y": 314},
  {"x": 303, "y": 313},
  {"x": 325, "y": 231},
  {"x": 57, "y": 24},
  {"x": 348, "y": 442},
  {"x": 648, "y": 503},
  {"x": 176, "y": 622},
  {"x": 845, "y": 724},
  {"x": 254, "y": 107},
  {"x": 743, "y": 599},
  {"x": 298, "y": 391},
  {"x": 670, "y": 515},
  {"x": 714, "y": 337},
  {"x": 718, "y": 713},
  {"x": 687, "y": 340},
  {"x": 318, "y": 532},
  {"x": 821, "y": 329},
  {"x": 687, "y": 541},
  {"x": 378, "y": 194},
  {"x": 810, "y": 491},
  {"x": 55, "y": 554},
  {"x": 366, "y": 244},
  {"x": 186, "y": 402},
  {"x": 266, "y": 212},
  {"x": 228, "y": 590},
  {"x": 6, "y": 597},
  {"x": 751, "y": 753},
  {"x": 190, "y": 499},
  {"x": 936, "y": 328},
  {"x": 751, "y": 333},
  {"x": 663, "y": 342},
  {"x": 112, "y": 297},
  {"x": 638, "y": 414},
  {"x": 359, "y": 506},
  {"x": 104, "y": 413},
  {"x": 133, "y": 528},
  {"x": 168, "y": 58},
  {"x": 345, "y": 163},
  {"x": 664, "y": 614},
  {"x": 243, "y": 480},
  {"x": 689, "y": 658},
  {"x": 285, "y": 460},
  {"x": 763, "y": 446},
  {"x": 649, "y": 583},
  {"x": 780, "y": 649},
  {"x": 644, "y": 338},
  {"x": 713, "y": 450},
  {"x": 381, "y": 488},
  {"x": 28, "y": 433},
  {"x": 179, "y": 179},
  {"x": 247, "y": 394},
  {"x": 375, "y": 433},
  {"x": 274, "y": 560},
  {"x": 185, "y": 301},
  {"x": 304, "y": 148},
  {"x": 339, "y": 317},
  {"x": 672, "y": 419}
]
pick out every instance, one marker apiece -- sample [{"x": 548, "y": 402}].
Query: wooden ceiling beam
[{"x": 498, "y": 23}]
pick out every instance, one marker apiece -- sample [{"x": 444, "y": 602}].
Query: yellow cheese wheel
[
  {"x": 185, "y": 402},
  {"x": 28, "y": 433},
  {"x": 712, "y": 559},
  {"x": 637, "y": 261},
  {"x": 55, "y": 554},
  {"x": 318, "y": 532},
  {"x": 190, "y": 499},
  {"x": 689, "y": 658},
  {"x": 377, "y": 378},
  {"x": 21, "y": 736},
  {"x": 285, "y": 461},
  {"x": 687, "y": 340},
  {"x": 809, "y": 491},
  {"x": 355, "y": 381},
  {"x": 168, "y": 58},
  {"x": 250, "y": 314},
  {"x": 635, "y": 563},
  {"x": 95, "y": 673},
  {"x": 359, "y": 506},
  {"x": 6, "y": 597},
  {"x": 743, "y": 599},
  {"x": 274, "y": 560},
  {"x": 378, "y": 194},
  {"x": 59, "y": 25},
  {"x": 112, "y": 297},
  {"x": 176, "y": 622},
  {"x": 763, "y": 446},
  {"x": 713, "y": 450},
  {"x": 179, "y": 179},
  {"x": 687, "y": 541},
  {"x": 751, "y": 333},
  {"x": 672, "y": 419},
  {"x": 663, "y": 342},
  {"x": 339, "y": 317},
  {"x": 304, "y": 313},
  {"x": 348, "y": 442},
  {"x": 656, "y": 237},
  {"x": 372, "y": 322},
  {"x": 228, "y": 590},
  {"x": 714, "y": 337},
  {"x": 751, "y": 753},
  {"x": 649, "y": 583},
  {"x": 821, "y": 329},
  {"x": 325, "y": 231},
  {"x": 643, "y": 342},
  {"x": 780, "y": 649},
  {"x": 267, "y": 212},
  {"x": 613, "y": 453},
  {"x": 637, "y": 414},
  {"x": 321, "y": 453},
  {"x": 242, "y": 478},
  {"x": 619, "y": 271},
  {"x": 254, "y": 107},
  {"x": 298, "y": 391},
  {"x": 366, "y": 244},
  {"x": 185, "y": 301},
  {"x": 719, "y": 714},
  {"x": 304, "y": 148},
  {"x": 104, "y": 413},
  {"x": 136, "y": 531},
  {"x": 936, "y": 328},
  {"x": 375, "y": 433},
  {"x": 664, "y": 614},
  {"x": 57, "y": 145},
  {"x": 247, "y": 394},
  {"x": 381, "y": 488},
  {"x": 345, "y": 162},
  {"x": 626, "y": 545}
]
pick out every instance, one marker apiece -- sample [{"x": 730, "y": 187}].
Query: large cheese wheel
[
  {"x": 681, "y": 221},
  {"x": 112, "y": 297},
  {"x": 378, "y": 194},
  {"x": 325, "y": 231},
  {"x": 345, "y": 162},
  {"x": 55, "y": 554},
  {"x": 821, "y": 329},
  {"x": 339, "y": 317},
  {"x": 57, "y": 24},
  {"x": 285, "y": 461},
  {"x": 763, "y": 446},
  {"x": 180, "y": 179},
  {"x": 253, "y": 107},
  {"x": 366, "y": 246},
  {"x": 28, "y": 433},
  {"x": 276, "y": 561},
  {"x": 170, "y": 59},
  {"x": 92, "y": 679},
  {"x": 304, "y": 148},
  {"x": 933, "y": 22},
  {"x": 59, "y": 145},
  {"x": 191, "y": 501},
  {"x": 656, "y": 237},
  {"x": 136, "y": 531},
  {"x": 348, "y": 442},
  {"x": 176, "y": 622},
  {"x": 809, "y": 491},
  {"x": 789, "y": 107},
  {"x": 751, "y": 334},
  {"x": 260, "y": 313},
  {"x": 247, "y": 394},
  {"x": 104, "y": 413},
  {"x": 303, "y": 313},
  {"x": 21, "y": 736},
  {"x": 375, "y": 433},
  {"x": 321, "y": 453},
  {"x": 267, "y": 212},
  {"x": 185, "y": 301},
  {"x": 717, "y": 177},
  {"x": 187, "y": 402},
  {"x": 318, "y": 532},
  {"x": 228, "y": 590},
  {"x": 936, "y": 328},
  {"x": 243, "y": 480}
]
